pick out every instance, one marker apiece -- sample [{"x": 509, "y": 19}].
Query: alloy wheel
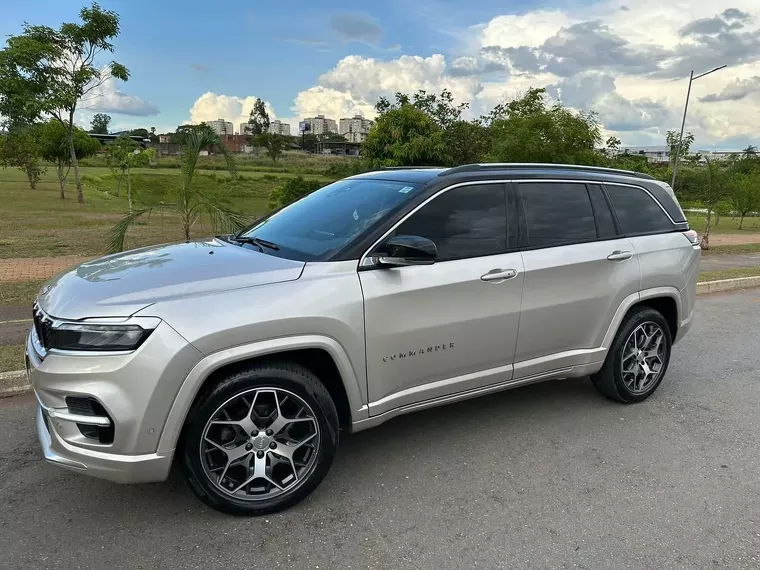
[
  {"x": 260, "y": 444},
  {"x": 643, "y": 357}
]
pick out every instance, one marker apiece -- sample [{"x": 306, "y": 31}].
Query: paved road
[
  {"x": 546, "y": 476},
  {"x": 729, "y": 261}
]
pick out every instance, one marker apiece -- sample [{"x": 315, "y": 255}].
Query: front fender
[{"x": 214, "y": 361}]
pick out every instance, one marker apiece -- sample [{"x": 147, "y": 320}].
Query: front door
[{"x": 452, "y": 326}]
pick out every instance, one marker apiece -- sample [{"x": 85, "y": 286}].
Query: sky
[{"x": 627, "y": 60}]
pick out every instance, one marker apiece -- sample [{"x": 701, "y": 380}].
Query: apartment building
[
  {"x": 221, "y": 127},
  {"x": 355, "y": 129},
  {"x": 318, "y": 125},
  {"x": 277, "y": 127}
]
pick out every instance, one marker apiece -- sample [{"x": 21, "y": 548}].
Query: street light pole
[{"x": 683, "y": 121}]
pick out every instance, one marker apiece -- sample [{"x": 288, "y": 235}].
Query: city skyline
[{"x": 629, "y": 62}]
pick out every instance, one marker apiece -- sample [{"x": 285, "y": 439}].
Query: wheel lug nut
[
  {"x": 248, "y": 446},
  {"x": 273, "y": 445},
  {"x": 269, "y": 432},
  {"x": 260, "y": 454}
]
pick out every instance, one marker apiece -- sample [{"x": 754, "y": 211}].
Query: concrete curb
[
  {"x": 23, "y": 387},
  {"x": 727, "y": 285}
]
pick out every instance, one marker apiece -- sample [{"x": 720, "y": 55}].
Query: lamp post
[{"x": 683, "y": 121}]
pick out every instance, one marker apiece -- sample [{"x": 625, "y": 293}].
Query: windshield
[{"x": 325, "y": 221}]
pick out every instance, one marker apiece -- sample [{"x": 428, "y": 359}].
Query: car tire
[
  {"x": 624, "y": 376},
  {"x": 221, "y": 450}
]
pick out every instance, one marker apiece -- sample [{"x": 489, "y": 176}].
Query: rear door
[
  {"x": 444, "y": 328},
  {"x": 578, "y": 270}
]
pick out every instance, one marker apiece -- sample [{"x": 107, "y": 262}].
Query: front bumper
[
  {"x": 119, "y": 468},
  {"x": 135, "y": 392}
]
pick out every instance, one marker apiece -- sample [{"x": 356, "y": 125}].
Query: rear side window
[
  {"x": 556, "y": 213},
  {"x": 469, "y": 221},
  {"x": 637, "y": 212},
  {"x": 604, "y": 224}
]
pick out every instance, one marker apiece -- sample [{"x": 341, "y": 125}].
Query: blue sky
[{"x": 196, "y": 60}]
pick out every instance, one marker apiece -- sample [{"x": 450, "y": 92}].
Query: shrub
[{"x": 291, "y": 191}]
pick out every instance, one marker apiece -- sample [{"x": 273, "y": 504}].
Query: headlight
[{"x": 97, "y": 337}]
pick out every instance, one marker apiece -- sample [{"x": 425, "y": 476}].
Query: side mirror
[{"x": 408, "y": 250}]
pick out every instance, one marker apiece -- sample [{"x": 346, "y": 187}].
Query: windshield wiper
[{"x": 260, "y": 243}]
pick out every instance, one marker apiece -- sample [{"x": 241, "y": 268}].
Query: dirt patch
[{"x": 733, "y": 239}]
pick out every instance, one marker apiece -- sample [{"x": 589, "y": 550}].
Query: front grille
[{"x": 43, "y": 324}]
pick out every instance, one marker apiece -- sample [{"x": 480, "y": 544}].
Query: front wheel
[
  {"x": 261, "y": 440},
  {"x": 638, "y": 358}
]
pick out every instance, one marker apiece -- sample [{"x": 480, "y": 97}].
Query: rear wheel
[
  {"x": 638, "y": 357},
  {"x": 261, "y": 441}
]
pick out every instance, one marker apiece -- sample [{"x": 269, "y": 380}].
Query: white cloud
[
  {"x": 629, "y": 61},
  {"x": 211, "y": 106},
  {"x": 109, "y": 98}
]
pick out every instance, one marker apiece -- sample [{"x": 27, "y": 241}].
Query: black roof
[{"x": 427, "y": 173}]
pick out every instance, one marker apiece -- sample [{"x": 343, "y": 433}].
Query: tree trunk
[
  {"x": 31, "y": 175},
  {"x": 129, "y": 191},
  {"x": 74, "y": 160},
  {"x": 717, "y": 218},
  {"x": 705, "y": 243},
  {"x": 741, "y": 220},
  {"x": 118, "y": 184},
  {"x": 61, "y": 179}
]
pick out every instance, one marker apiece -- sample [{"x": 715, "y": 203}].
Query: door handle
[
  {"x": 618, "y": 255},
  {"x": 499, "y": 275}
]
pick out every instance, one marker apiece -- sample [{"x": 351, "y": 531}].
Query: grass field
[
  {"x": 37, "y": 223},
  {"x": 11, "y": 358},
  {"x": 726, "y": 225},
  {"x": 729, "y": 273}
]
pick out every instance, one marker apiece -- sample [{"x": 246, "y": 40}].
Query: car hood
[{"x": 122, "y": 284}]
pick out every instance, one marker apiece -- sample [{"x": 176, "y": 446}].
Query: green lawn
[
  {"x": 738, "y": 248},
  {"x": 726, "y": 225},
  {"x": 729, "y": 273},
  {"x": 20, "y": 293},
  {"x": 11, "y": 358},
  {"x": 37, "y": 223}
]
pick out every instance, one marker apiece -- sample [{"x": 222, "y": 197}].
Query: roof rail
[
  {"x": 547, "y": 166},
  {"x": 410, "y": 167}
]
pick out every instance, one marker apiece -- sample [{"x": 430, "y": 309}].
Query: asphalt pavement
[{"x": 546, "y": 476}]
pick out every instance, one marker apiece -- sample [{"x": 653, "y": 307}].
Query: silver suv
[{"x": 243, "y": 356}]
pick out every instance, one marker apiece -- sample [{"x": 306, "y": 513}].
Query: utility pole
[{"x": 683, "y": 121}]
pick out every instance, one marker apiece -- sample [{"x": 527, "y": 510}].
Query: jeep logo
[{"x": 419, "y": 352}]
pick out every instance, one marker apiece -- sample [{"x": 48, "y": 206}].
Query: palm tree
[{"x": 188, "y": 202}]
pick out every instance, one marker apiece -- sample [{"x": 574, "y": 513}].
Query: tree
[
  {"x": 745, "y": 194},
  {"x": 59, "y": 67},
  {"x": 54, "y": 147},
  {"x": 20, "y": 148},
  {"x": 258, "y": 119},
  {"x": 405, "y": 136},
  {"x": 713, "y": 187},
  {"x": 123, "y": 155},
  {"x": 142, "y": 133},
  {"x": 612, "y": 146},
  {"x": 99, "y": 124},
  {"x": 466, "y": 142},
  {"x": 274, "y": 144},
  {"x": 187, "y": 201},
  {"x": 672, "y": 139},
  {"x": 292, "y": 190},
  {"x": 527, "y": 130},
  {"x": 307, "y": 142}
]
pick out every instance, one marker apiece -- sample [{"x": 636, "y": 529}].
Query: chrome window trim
[{"x": 366, "y": 261}]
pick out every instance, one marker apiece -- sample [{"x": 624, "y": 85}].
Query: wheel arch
[
  {"x": 323, "y": 356},
  {"x": 666, "y": 300}
]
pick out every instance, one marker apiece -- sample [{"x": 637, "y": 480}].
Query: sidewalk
[{"x": 34, "y": 268}]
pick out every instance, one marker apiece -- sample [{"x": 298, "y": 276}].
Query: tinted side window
[
  {"x": 556, "y": 213},
  {"x": 604, "y": 224},
  {"x": 636, "y": 211},
  {"x": 469, "y": 221}
]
